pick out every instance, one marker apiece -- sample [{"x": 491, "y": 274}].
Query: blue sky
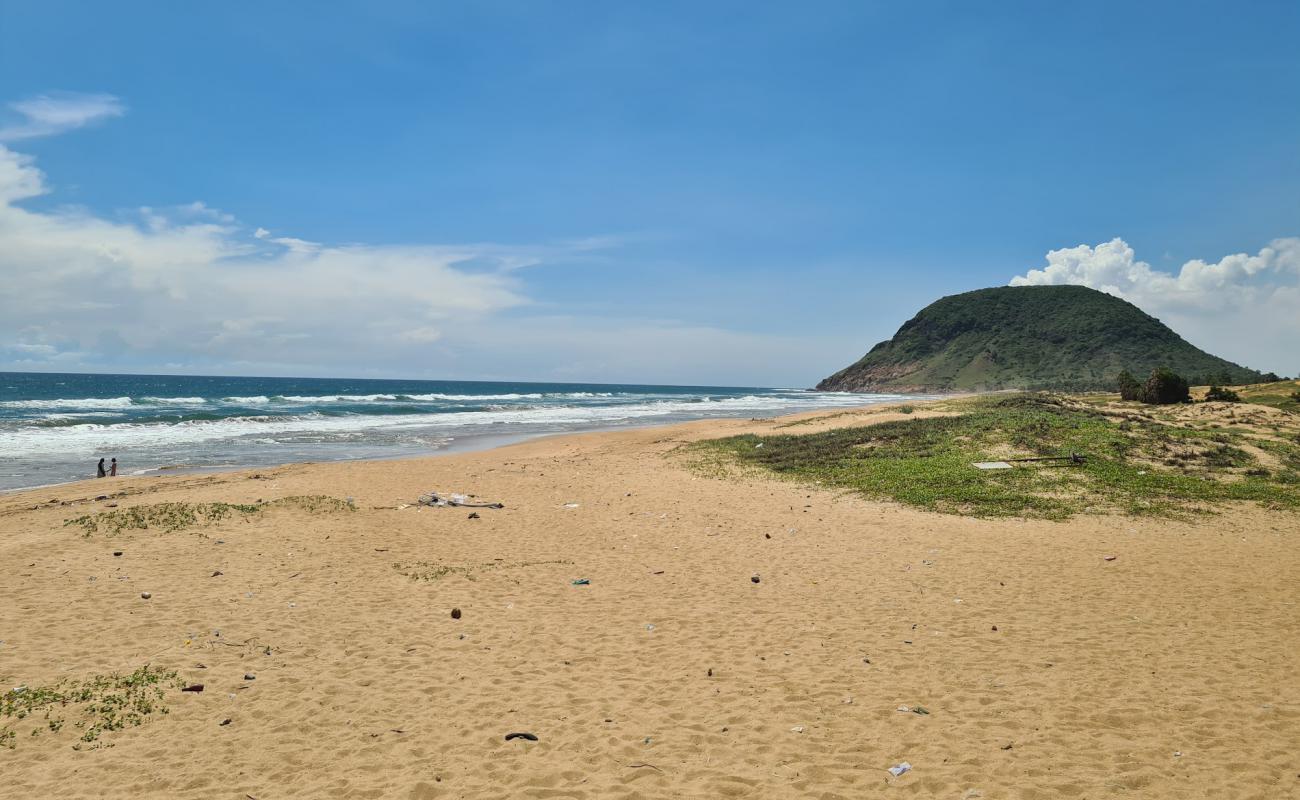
[{"x": 739, "y": 193}]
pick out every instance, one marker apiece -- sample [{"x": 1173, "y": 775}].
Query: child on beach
[{"x": 112, "y": 472}]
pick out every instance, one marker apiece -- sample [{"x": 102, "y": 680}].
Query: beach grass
[{"x": 1135, "y": 463}]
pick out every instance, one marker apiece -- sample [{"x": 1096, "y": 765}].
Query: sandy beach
[{"x": 999, "y": 658}]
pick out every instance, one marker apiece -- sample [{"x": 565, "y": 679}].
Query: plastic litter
[
  {"x": 582, "y": 582},
  {"x": 797, "y": 729},
  {"x": 436, "y": 499},
  {"x": 527, "y": 736},
  {"x": 899, "y": 769}
]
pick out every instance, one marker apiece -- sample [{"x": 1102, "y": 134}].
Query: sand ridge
[{"x": 1046, "y": 670}]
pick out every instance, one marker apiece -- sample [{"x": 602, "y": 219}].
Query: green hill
[{"x": 1029, "y": 337}]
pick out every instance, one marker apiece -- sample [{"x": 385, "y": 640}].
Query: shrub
[
  {"x": 1222, "y": 395},
  {"x": 1129, "y": 388},
  {"x": 1165, "y": 387}
]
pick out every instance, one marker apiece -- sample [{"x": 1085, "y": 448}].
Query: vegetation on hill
[
  {"x": 1149, "y": 460},
  {"x": 1030, "y": 337}
]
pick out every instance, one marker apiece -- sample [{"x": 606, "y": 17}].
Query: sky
[{"x": 716, "y": 193}]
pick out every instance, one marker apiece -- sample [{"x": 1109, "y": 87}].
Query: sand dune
[{"x": 1047, "y": 671}]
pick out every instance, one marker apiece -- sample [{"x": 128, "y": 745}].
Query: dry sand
[{"x": 1048, "y": 672}]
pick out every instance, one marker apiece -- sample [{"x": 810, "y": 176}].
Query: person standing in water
[
  {"x": 100, "y": 473},
  {"x": 112, "y": 472}
]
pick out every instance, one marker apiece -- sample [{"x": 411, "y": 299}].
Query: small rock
[
  {"x": 225, "y": 721},
  {"x": 1008, "y": 745},
  {"x": 145, "y": 595},
  {"x": 710, "y": 672},
  {"x": 455, "y": 613},
  {"x": 767, "y": 536},
  {"x": 1109, "y": 558},
  {"x": 196, "y": 687},
  {"x": 753, "y": 579},
  {"x": 995, "y": 627},
  {"x": 474, "y": 515},
  {"x": 248, "y": 676},
  {"x": 797, "y": 729},
  {"x": 527, "y": 736},
  {"x": 117, "y": 552}
]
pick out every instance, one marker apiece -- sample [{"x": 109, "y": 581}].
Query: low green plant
[
  {"x": 171, "y": 517},
  {"x": 95, "y": 705},
  {"x": 431, "y": 571},
  {"x": 1221, "y": 395},
  {"x": 1133, "y": 463}
]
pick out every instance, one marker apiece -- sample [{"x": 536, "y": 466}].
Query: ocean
[{"x": 55, "y": 427}]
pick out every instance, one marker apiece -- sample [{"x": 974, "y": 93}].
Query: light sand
[{"x": 1097, "y": 675}]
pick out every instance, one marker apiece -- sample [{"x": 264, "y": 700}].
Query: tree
[
  {"x": 1129, "y": 388},
  {"x": 1165, "y": 387}
]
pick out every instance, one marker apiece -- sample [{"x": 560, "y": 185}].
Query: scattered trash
[
  {"x": 435, "y": 499},
  {"x": 528, "y": 736},
  {"x": 248, "y": 676},
  {"x": 117, "y": 552},
  {"x": 225, "y": 721},
  {"x": 899, "y": 769},
  {"x": 197, "y": 687},
  {"x": 650, "y": 627},
  {"x": 922, "y": 710},
  {"x": 455, "y": 613},
  {"x": 18, "y": 690},
  {"x": 1109, "y": 558},
  {"x": 582, "y": 582},
  {"x": 1178, "y": 754},
  {"x": 760, "y": 444},
  {"x": 904, "y": 709},
  {"x": 797, "y": 729},
  {"x": 1008, "y": 745},
  {"x": 145, "y": 595},
  {"x": 570, "y": 505},
  {"x": 474, "y": 515},
  {"x": 216, "y": 574},
  {"x": 991, "y": 465}
]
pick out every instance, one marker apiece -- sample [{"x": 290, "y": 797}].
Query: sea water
[{"x": 55, "y": 427}]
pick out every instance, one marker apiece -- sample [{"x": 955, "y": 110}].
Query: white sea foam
[
  {"x": 89, "y": 402},
  {"x": 72, "y": 440}
]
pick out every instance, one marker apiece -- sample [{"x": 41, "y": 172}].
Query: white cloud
[
  {"x": 191, "y": 284},
  {"x": 49, "y": 114},
  {"x": 1243, "y": 307}
]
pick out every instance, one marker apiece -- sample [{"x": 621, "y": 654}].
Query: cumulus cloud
[
  {"x": 1243, "y": 307},
  {"x": 192, "y": 285},
  {"x": 49, "y": 114}
]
